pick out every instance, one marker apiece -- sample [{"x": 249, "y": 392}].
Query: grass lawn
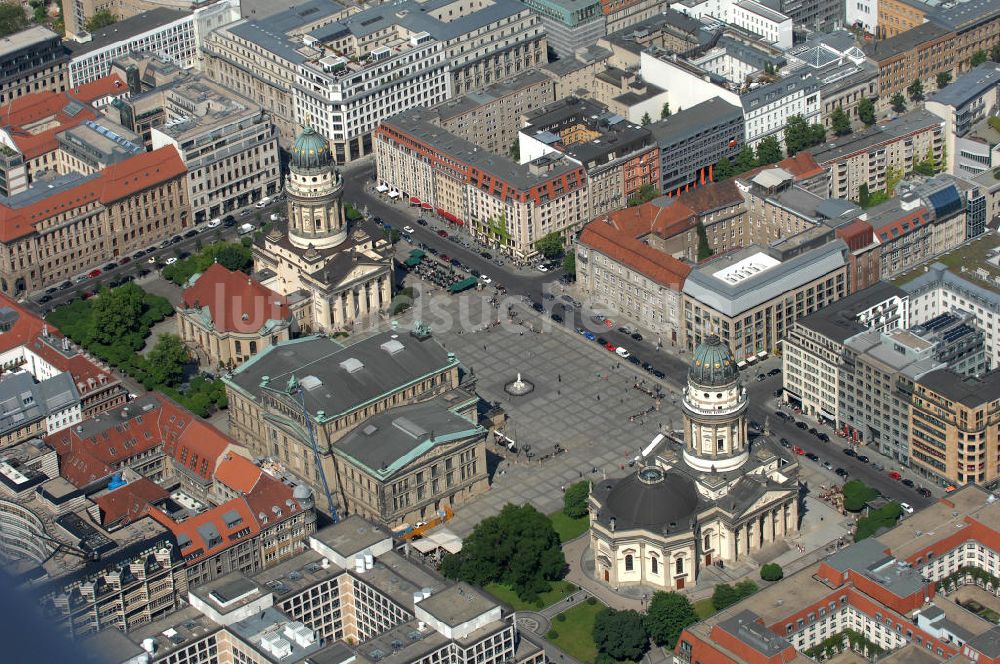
[
  {"x": 575, "y": 634},
  {"x": 704, "y": 608},
  {"x": 567, "y": 528},
  {"x": 560, "y": 589}
]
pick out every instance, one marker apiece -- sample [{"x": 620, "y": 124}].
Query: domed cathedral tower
[
  {"x": 715, "y": 407},
  {"x": 315, "y": 189},
  {"x": 343, "y": 269}
]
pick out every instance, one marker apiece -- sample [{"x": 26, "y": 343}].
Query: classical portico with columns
[
  {"x": 712, "y": 494},
  {"x": 344, "y": 268}
]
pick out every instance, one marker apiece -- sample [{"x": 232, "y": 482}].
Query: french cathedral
[
  {"x": 344, "y": 268},
  {"x": 713, "y": 496}
]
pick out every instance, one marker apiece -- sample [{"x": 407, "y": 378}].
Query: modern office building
[
  {"x": 32, "y": 60},
  {"x": 344, "y": 72},
  {"x": 570, "y": 25},
  {"x": 964, "y": 107},
  {"x": 900, "y": 592},
  {"x": 227, "y": 142},
  {"x": 955, "y": 427}
]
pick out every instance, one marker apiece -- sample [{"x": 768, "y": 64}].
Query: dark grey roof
[
  {"x": 969, "y": 86},
  {"x": 863, "y": 140},
  {"x": 963, "y": 15},
  {"x": 473, "y": 100},
  {"x": 987, "y": 643},
  {"x": 126, "y": 29},
  {"x": 386, "y": 442},
  {"x": 745, "y": 627},
  {"x": 904, "y": 41},
  {"x": 629, "y": 38},
  {"x": 967, "y": 390},
  {"x": 802, "y": 81},
  {"x": 23, "y": 401},
  {"x": 838, "y": 321},
  {"x": 666, "y": 504},
  {"x": 868, "y": 557},
  {"x": 699, "y": 119},
  {"x": 327, "y": 385}
]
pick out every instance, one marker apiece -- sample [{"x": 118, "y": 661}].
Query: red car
[
  {"x": 443, "y": 233},
  {"x": 94, "y": 273},
  {"x": 610, "y": 346},
  {"x": 445, "y": 258},
  {"x": 894, "y": 475},
  {"x": 798, "y": 450}
]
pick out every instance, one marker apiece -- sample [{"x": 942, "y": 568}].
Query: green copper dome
[
  {"x": 311, "y": 151},
  {"x": 713, "y": 364}
]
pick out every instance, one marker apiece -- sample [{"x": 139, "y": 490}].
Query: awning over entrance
[
  {"x": 464, "y": 284},
  {"x": 413, "y": 261},
  {"x": 394, "y": 194},
  {"x": 382, "y": 188},
  {"x": 426, "y": 206},
  {"x": 414, "y": 200},
  {"x": 448, "y": 216},
  {"x": 419, "y": 253}
]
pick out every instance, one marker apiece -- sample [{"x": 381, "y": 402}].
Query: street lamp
[{"x": 295, "y": 391}]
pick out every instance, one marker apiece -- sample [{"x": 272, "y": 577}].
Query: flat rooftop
[
  {"x": 887, "y": 132},
  {"x": 351, "y": 536},
  {"x": 25, "y": 38},
  {"x": 458, "y": 604},
  {"x": 126, "y": 29},
  {"x": 925, "y": 527}
]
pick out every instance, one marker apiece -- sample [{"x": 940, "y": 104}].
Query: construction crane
[{"x": 294, "y": 390}]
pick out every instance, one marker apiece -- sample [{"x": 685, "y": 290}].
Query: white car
[
  {"x": 214, "y": 223},
  {"x": 485, "y": 279},
  {"x": 906, "y": 508},
  {"x": 542, "y": 268},
  {"x": 622, "y": 352},
  {"x": 151, "y": 260},
  {"x": 171, "y": 260},
  {"x": 407, "y": 229}
]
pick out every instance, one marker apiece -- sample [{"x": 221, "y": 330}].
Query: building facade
[
  {"x": 32, "y": 60},
  {"x": 963, "y": 106}
]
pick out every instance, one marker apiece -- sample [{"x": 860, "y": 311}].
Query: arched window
[
  {"x": 679, "y": 566},
  {"x": 655, "y": 565},
  {"x": 628, "y": 563},
  {"x": 708, "y": 540}
]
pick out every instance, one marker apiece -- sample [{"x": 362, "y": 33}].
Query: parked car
[
  {"x": 774, "y": 372},
  {"x": 443, "y": 233},
  {"x": 422, "y": 221},
  {"x": 96, "y": 272},
  {"x": 923, "y": 491},
  {"x": 802, "y": 425},
  {"x": 634, "y": 360},
  {"x": 907, "y": 482},
  {"x": 214, "y": 223},
  {"x": 659, "y": 374},
  {"x": 893, "y": 475},
  {"x": 407, "y": 229},
  {"x": 841, "y": 472},
  {"x": 110, "y": 266},
  {"x": 485, "y": 278},
  {"x": 647, "y": 366},
  {"x": 784, "y": 443},
  {"x": 229, "y": 222},
  {"x": 906, "y": 508},
  {"x": 862, "y": 458},
  {"x": 798, "y": 450},
  {"x": 812, "y": 457},
  {"x": 542, "y": 268},
  {"x": 556, "y": 317},
  {"x": 622, "y": 352},
  {"x": 636, "y": 336},
  {"x": 45, "y": 298},
  {"x": 171, "y": 260},
  {"x": 589, "y": 336},
  {"x": 823, "y": 437},
  {"x": 828, "y": 465},
  {"x": 64, "y": 285},
  {"x": 537, "y": 306},
  {"x": 191, "y": 233}
]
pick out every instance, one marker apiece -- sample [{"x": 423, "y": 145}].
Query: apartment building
[
  {"x": 619, "y": 158},
  {"x": 899, "y": 591},
  {"x": 919, "y": 54},
  {"x": 228, "y": 143},
  {"x": 964, "y": 107},
  {"x": 938, "y": 290},
  {"x": 228, "y": 317},
  {"x": 626, "y": 261},
  {"x": 33, "y": 60},
  {"x": 33, "y": 408},
  {"x": 75, "y": 222},
  {"x": 693, "y": 140},
  {"x": 343, "y": 72},
  {"x": 955, "y": 427},
  {"x": 751, "y": 297},
  {"x": 378, "y": 374},
  {"x": 506, "y": 205},
  {"x": 491, "y": 117},
  {"x": 867, "y": 157},
  {"x": 773, "y": 26},
  {"x": 813, "y": 349}
]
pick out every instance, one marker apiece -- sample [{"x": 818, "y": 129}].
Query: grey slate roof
[
  {"x": 744, "y": 626},
  {"x": 339, "y": 390},
  {"x": 904, "y": 41},
  {"x": 968, "y": 86},
  {"x": 868, "y": 557},
  {"x": 838, "y": 321},
  {"x": 386, "y": 441},
  {"x": 23, "y": 401},
  {"x": 861, "y": 141},
  {"x": 689, "y": 122},
  {"x": 938, "y": 274},
  {"x": 804, "y": 81},
  {"x": 966, "y": 390},
  {"x": 732, "y": 299}
]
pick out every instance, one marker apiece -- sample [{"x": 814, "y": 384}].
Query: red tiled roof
[
  {"x": 107, "y": 86},
  {"x": 81, "y": 469},
  {"x": 118, "y": 181},
  {"x": 238, "y": 473},
  {"x": 712, "y": 196},
  {"x": 802, "y": 165},
  {"x": 28, "y": 330},
  {"x": 126, "y": 504},
  {"x": 617, "y": 235},
  {"x": 22, "y": 117},
  {"x": 192, "y": 443},
  {"x": 912, "y": 221},
  {"x": 236, "y": 303}
]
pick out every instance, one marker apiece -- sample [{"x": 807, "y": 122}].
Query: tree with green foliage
[
  {"x": 646, "y": 193},
  {"x": 942, "y": 79},
  {"x": 723, "y": 169},
  {"x": 12, "y": 18},
  {"x": 117, "y": 313},
  {"x": 551, "y": 245},
  {"x": 893, "y": 176},
  {"x": 745, "y": 159},
  {"x": 916, "y": 90},
  {"x": 515, "y": 151},
  {"x": 101, "y": 19},
  {"x": 518, "y": 548},
  {"x": 646, "y": 119},
  {"x": 866, "y": 111},
  {"x": 928, "y": 166},
  {"x": 883, "y": 518},
  {"x": 665, "y": 111},
  {"x": 667, "y": 616},
  {"x": 575, "y": 500},
  {"x": 569, "y": 264},
  {"x": 769, "y": 151},
  {"x": 857, "y": 494},
  {"x": 230, "y": 255},
  {"x": 704, "y": 248},
  {"x": 864, "y": 195},
  {"x": 621, "y": 635},
  {"x": 898, "y": 102},
  {"x": 840, "y": 123},
  {"x": 978, "y": 58},
  {"x": 726, "y": 595},
  {"x": 800, "y": 135},
  {"x": 165, "y": 362},
  {"x": 995, "y": 53},
  {"x": 771, "y": 572}
]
